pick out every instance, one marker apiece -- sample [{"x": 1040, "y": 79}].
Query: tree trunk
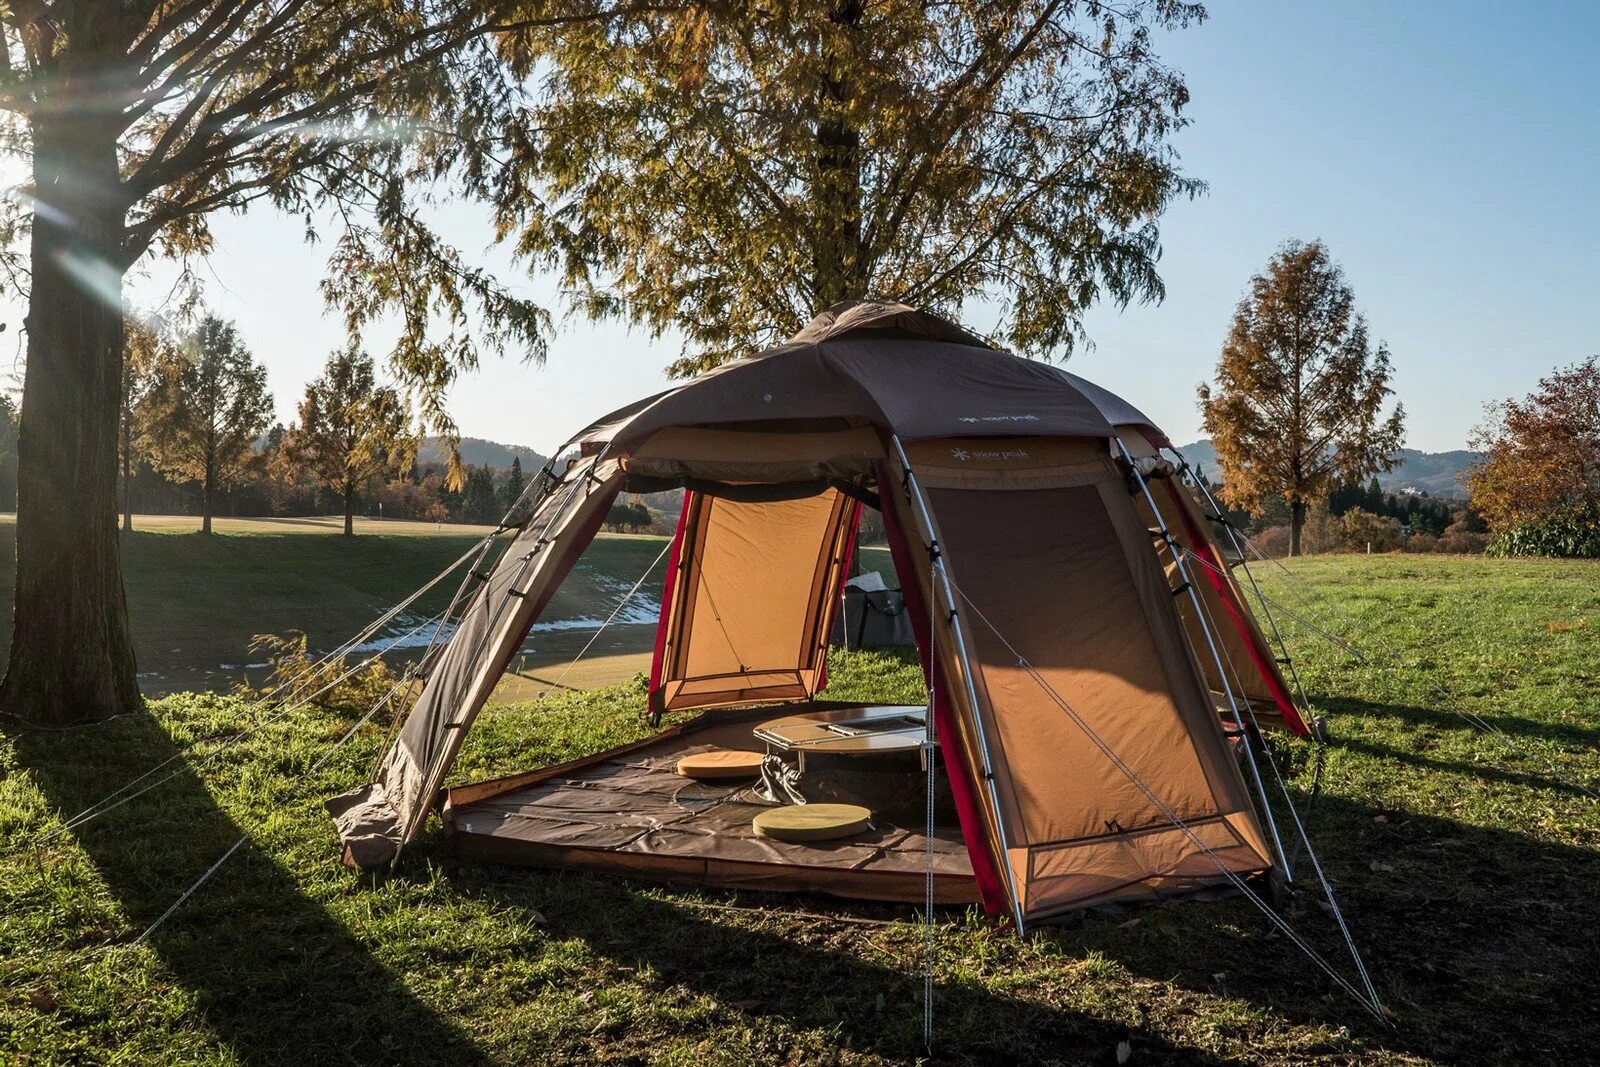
[
  {"x": 349, "y": 510},
  {"x": 1297, "y": 523},
  {"x": 205, "y": 501},
  {"x": 71, "y": 654},
  {"x": 838, "y": 272}
]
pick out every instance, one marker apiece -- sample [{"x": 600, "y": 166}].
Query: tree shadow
[
  {"x": 277, "y": 978},
  {"x": 811, "y": 977},
  {"x": 1572, "y": 785},
  {"x": 1482, "y": 942},
  {"x": 1445, "y": 719}
]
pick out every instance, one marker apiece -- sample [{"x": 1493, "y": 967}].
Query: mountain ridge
[
  {"x": 1435, "y": 473},
  {"x": 481, "y": 452}
]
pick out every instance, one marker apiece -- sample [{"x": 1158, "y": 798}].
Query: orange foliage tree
[
  {"x": 1297, "y": 408},
  {"x": 1541, "y": 453}
]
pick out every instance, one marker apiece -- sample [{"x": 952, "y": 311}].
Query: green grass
[
  {"x": 1467, "y": 872},
  {"x": 195, "y": 602}
]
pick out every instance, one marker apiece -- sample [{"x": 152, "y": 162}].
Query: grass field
[
  {"x": 195, "y": 602},
  {"x": 1467, "y": 872}
]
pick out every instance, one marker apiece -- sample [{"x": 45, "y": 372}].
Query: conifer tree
[
  {"x": 350, "y": 430},
  {"x": 1297, "y": 408},
  {"x": 724, "y": 171},
  {"x": 206, "y": 404}
]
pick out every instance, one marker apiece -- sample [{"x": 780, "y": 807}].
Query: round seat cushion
[
  {"x": 721, "y": 763},
  {"x": 812, "y": 822}
]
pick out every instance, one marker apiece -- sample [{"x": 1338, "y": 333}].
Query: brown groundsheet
[{"x": 628, "y": 812}]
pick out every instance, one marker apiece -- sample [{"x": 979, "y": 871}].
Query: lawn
[
  {"x": 1467, "y": 871},
  {"x": 195, "y": 602}
]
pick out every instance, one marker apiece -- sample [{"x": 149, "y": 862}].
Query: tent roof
[{"x": 883, "y": 364}]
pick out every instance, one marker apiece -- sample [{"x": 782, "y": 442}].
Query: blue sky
[{"x": 1447, "y": 153}]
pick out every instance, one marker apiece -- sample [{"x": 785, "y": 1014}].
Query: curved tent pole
[
  {"x": 539, "y": 486},
  {"x": 1211, "y": 643},
  {"x": 958, "y": 632},
  {"x": 436, "y": 768}
]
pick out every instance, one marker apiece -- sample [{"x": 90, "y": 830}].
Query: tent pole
[
  {"x": 1233, "y": 536},
  {"x": 433, "y": 778},
  {"x": 958, "y": 632},
  {"x": 1211, "y": 643}
]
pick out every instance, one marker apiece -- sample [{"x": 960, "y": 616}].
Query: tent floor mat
[{"x": 627, "y": 812}]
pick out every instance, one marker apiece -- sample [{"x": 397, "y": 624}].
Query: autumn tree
[
  {"x": 350, "y": 430},
  {"x": 1297, "y": 407},
  {"x": 726, "y": 171},
  {"x": 139, "y": 120},
  {"x": 142, "y": 347},
  {"x": 1541, "y": 453},
  {"x": 206, "y": 404}
]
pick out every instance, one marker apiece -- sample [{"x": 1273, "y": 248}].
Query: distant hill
[
  {"x": 476, "y": 452},
  {"x": 1434, "y": 473}
]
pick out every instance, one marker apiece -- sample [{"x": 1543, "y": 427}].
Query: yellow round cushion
[
  {"x": 721, "y": 763},
  {"x": 812, "y": 822}
]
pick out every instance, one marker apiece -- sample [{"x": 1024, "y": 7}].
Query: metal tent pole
[
  {"x": 1211, "y": 643},
  {"x": 1277, "y": 635},
  {"x": 958, "y": 632},
  {"x": 434, "y": 773}
]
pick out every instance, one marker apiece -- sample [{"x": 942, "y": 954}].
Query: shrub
[
  {"x": 1363, "y": 530},
  {"x": 1421, "y": 541},
  {"x": 1272, "y": 542},
  {"x": 1572, "y": 533},
  {"x": 1461, "y": 541}
]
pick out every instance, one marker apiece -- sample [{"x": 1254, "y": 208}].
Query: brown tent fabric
[
  {"x": 883, "y": 318},
  {"x": 753, "y": 601},
  {"x": 1064, "y": 605},
  {"x": 374, "y": 820},
  {"x": 1096, "y": 623},
  {"x": 882, "y": 366}
]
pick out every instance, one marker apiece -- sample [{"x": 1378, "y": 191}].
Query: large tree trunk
[
  {"x": 838, "y": 271},
  {"x": 205, "y": 502},
  {"x": 349, "y": 510},
  {"x": 1297, "y": 523},
  {"x": 71, "y": 653}
]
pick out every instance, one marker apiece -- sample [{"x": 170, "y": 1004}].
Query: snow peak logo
[
  {"x": 963, "y": 454},
  {"x": 998, "y": 418}
]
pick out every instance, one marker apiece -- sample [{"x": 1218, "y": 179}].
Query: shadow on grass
[
  {"x": 1573, "y": 784},
  {"x": 1484, "y": 943},
  {"x": 1445, "y": 719},
  {"x": 810, "y": 976},
  {"x": 277, "y": 978}
]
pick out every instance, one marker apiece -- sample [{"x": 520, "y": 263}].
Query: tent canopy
[{"x": 1074, "y": 688}]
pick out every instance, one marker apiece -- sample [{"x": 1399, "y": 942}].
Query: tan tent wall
[
  {"x": 375, "y": 820},
  {"x": 1043, "y": 537},
  {"x": 753, "y": 600}
]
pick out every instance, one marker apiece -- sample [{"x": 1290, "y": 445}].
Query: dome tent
[{"x": 1090, "y": 688}]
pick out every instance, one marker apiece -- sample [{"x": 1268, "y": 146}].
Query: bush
[
  {"x": 1461, "y": 542},
  {"x": 1272, "y": 542},
  {"x": 1572, "y": 533},
  {"x": 1363, "y": 531},
  {"x": 1421, "y": 541}
]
